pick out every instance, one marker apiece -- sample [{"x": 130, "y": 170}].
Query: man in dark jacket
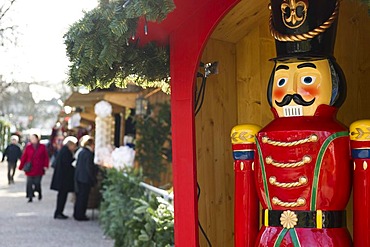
[
  {"x": 85, "y": 178},
  {"x": 63, "y": 176},
  {"x": 12, "y": 153}
]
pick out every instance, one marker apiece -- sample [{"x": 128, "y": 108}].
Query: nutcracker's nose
[{"x": 292, "y": 85}]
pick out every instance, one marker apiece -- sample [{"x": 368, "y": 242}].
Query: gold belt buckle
[{"x": 288, "y": 219}]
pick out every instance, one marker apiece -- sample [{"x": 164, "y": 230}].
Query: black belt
[{"x": 306, "y": 219}]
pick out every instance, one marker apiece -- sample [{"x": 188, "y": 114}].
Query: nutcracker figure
[{"x": 299, "y": 166}]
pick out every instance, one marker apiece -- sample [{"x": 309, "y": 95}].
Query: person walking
[
  {"x": 12, "y": 153},
  {"x": 63, "y": 176},
  {"x": 36, "y": 154},
  {"x": 85, "y": 178}
]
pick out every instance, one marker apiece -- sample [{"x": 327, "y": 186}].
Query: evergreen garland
[
  {"x": 154, "y": 145},
  {"x": 99, "y": 48}
]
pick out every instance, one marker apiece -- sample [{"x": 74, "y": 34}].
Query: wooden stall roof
[
  {"x": 122, "y": 99},
  {"x": 118, "y": 100}
]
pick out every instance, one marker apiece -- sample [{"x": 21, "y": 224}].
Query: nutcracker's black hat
[{"x": 304, "y": 28}]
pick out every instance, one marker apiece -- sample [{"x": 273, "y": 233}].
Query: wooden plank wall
[
  {"x": 214, "y": 158},
  {"x": 253, "y": 71},
  {"x": 238, "y": 95},
  {"x": 352, "y": 50}
]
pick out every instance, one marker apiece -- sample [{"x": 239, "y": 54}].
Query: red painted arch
[
  {"x": 187, "y": 43},
  {"x": 187, "y": 30}
]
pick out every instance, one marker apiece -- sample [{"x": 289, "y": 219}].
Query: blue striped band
[
  {"x": 360, "y": 153},
  {"x": 243, "y": 155}
]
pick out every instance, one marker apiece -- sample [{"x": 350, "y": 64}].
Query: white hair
[
  {"x": 14, "y": 137},
  {"x": 70, "y": 139}
]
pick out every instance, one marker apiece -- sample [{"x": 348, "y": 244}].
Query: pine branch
[{"x": 98, "y": 51}]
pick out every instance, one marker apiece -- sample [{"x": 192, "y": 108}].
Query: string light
[
  {"x": 126, "y": 3},
  {"x": 145, "y": 26}
]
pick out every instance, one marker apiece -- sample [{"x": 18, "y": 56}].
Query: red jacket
[
  {"x": 39, "y": 161},
  {"x": 303, "y": 164}
]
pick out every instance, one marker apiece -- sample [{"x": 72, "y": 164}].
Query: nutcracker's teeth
[{"x": 293, "y": 111}]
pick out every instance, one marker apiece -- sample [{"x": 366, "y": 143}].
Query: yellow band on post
[
  {"x": 244, "y": 134},
  {"x": 266, "y": 217},
  {"x": 359, "y": 130},
  {"x": 319, "y": 219}
]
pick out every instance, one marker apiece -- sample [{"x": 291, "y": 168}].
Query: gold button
[
  {"x": 268, "y": 160},
  {"x": 275, "y": 200},
  {"x": 314, "y": 138},
  {"x": 301, "y": 201},
  {"x": 272, "y": 180},
  {"x": 307, "y": 159},
  {"x": 303, "y": 180}
]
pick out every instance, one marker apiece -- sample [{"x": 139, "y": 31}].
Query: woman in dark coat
[
  {"x": 63, "y": 176},
  {"x": 85, "y": 178},
  {"x": 13, "y": 153}
]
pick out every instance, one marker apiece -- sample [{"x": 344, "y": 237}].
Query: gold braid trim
[
  {"x": 300, "y": 202},
  {"x": 304, "y": 36},
  {"x": 302, "y": 181},
  {"x": 306, "y": 159},
  {"x": 311, "y": 138}
]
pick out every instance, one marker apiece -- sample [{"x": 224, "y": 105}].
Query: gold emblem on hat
[
  {"x": 293, "y": 13},
  {"x": 288, "y": 219}
]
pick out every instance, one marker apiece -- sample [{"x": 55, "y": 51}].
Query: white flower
[
  {"x": 103, "y": 156},
  {"x": 123, "y": 156}
]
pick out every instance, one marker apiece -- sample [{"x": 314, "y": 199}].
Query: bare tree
[
  {"x": 7, "y": 30},
  {"x": 7, "y": 36},
  {"x": 3, "y": 86}
]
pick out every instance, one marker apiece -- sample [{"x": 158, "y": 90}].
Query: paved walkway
[{"x": 25, "y": 224}]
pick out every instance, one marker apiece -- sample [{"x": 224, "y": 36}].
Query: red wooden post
[{"x": 187, "y": 43}]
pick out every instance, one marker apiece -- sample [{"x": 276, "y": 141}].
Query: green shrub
[
  {"x": 130, "y": 217},
  {"x": 153, "y": 222}
]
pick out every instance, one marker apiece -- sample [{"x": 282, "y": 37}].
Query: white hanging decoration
[
  {"x": 104, "y": 130},
  {"x": 103, "y": 109}
]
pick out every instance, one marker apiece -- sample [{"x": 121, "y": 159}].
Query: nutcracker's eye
[
  {"x": 308, "y": 80},
  {"x": 281, "y": 82}
]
